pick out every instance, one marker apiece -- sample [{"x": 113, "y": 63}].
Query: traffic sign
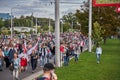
[{"x": 106, "y": 2}]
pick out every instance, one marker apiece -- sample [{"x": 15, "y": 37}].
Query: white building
[{"x": 23, "y": 29}]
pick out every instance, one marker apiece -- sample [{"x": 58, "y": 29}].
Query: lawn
[{"x": 88, "y": 69}]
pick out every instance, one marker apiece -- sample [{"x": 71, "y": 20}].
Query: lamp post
[
  {"x": 12, "y": 21},
  {"x": 90, "y": 26},
  {"x": 57, "y": 34},
  {"x": 11, "y": 25}
]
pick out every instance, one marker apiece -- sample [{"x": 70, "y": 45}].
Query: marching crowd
[{"x": 19, "y": 53}]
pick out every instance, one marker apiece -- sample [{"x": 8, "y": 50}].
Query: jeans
[
  {"x": 6, "y": 59},
  {"x": 34, "y": 64},
  {"x": 66, "y": 60},
  {"x": 81, "y": 49},
  {"x": 72, "y": 52},
  {"x": 98, "y": 58},
  {"x": 76, "y": 57},
  {"x": 42, "y": 61},
  {"x": 47, "y": 58}
]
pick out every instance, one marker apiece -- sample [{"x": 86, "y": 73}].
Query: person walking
[
  {"x": 98, "y": 53},
  {"x": 67, "y": 55},
  {"x": 16, "y": 64},
  {"x": 82, "y": 45},
  {"x": 76, "y": 54},
  {"x": 34, "y": 58},
  {"x": 6, "y": 58}
]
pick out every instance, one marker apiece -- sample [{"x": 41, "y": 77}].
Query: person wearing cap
[{"x": 49, "y": 73}]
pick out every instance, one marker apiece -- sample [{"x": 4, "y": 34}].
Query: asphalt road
[{"x": 6, "y": 74}]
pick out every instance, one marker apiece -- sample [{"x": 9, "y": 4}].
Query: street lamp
[
  {"x": 57, "y": 34},
  {"x": 12, "y": 22},
  {"x": 90, "y": 26},
  {"x": 11, "y": 25}
]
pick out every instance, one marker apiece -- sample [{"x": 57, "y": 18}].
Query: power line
[{"x": 63, "y": 2}]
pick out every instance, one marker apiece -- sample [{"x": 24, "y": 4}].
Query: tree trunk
[{"x": 104, "y": 40}]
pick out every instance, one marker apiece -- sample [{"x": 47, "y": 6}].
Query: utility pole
[
  {"x": 90, "y": 26},
  {"x": 32, "y": 20},
  {"x": 11, "y": 25},
  {"x": 57, "y": 34}
]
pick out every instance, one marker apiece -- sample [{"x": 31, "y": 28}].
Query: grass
[{"x": 88, "y": 69}]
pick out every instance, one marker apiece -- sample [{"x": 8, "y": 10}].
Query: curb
[{"x": 33, "y": 76}]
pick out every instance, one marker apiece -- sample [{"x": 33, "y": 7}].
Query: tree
[
  {"x": 97, "y": 33},
  {"x": 70, "y": 18},
  {"x": 66, "y": 27},
  {"x": 5, "y": 30},
  {"x": 1, "y": 23},
  {"x": 107, "y": 17}
]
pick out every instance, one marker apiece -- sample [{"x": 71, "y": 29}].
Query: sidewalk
[{"x": 33, "y": 76}]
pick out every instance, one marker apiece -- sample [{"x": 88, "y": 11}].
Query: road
[{"x": 6, "y": 74}]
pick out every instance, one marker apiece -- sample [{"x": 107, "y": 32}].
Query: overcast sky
[{"x": 40, "y": 8}]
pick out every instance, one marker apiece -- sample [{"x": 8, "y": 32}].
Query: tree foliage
[
  {"x": 97, "y": 33},
  {"x": 28, "y": 21},
  {"x": 107, "y": 17},
  {"x": 1, "y": 23}
]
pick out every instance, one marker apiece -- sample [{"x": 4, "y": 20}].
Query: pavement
[{"x": 6, "y": 74}]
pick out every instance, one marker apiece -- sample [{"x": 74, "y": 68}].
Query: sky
[{"x": 39, "y": 8}]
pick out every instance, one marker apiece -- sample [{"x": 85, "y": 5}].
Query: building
[{"x": 23, "y": 29}]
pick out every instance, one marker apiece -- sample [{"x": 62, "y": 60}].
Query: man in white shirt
[{"x": 98, "y": 53}]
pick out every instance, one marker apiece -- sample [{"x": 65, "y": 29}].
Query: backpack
[{"x": 67, "y": 52}]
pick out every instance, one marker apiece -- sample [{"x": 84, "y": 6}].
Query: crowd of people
[{"x": 21, "y": 52}]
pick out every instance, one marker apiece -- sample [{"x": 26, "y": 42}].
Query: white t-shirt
[{"x": 98, "y": 50}]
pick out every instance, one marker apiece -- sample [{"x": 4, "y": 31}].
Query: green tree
[
  {"x": 5, "y": 30},
  {"x": 97, "y": 33},
  {"x": 71, "y": 19},
  {"x": 1, "y": 23},
  {"x": 107, "y": 17}
]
